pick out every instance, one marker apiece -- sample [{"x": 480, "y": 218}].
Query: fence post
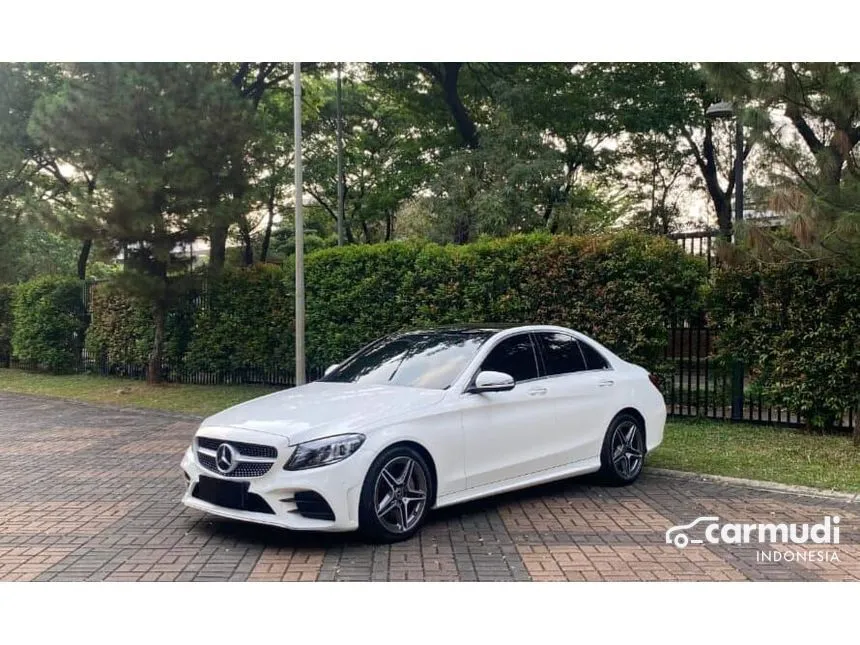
[{"x": 737, "y": 390}]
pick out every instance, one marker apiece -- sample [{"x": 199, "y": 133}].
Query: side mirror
[
  {"x": 330, "y": 369},
  {"x": 493, "y": 382}
]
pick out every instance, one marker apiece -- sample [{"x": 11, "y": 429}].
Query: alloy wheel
[
  {"x": 400, "y": 494},
  {"x": 627, "y": 450}
]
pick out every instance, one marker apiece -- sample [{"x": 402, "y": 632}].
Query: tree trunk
[
  {"x": 465, "y": 125},
  {"x": 270, "y": 218},
  {"x": 855, "y": 434},
  {"x": 217, "y": 247},
  {"x": 723, "y": 207},
  {"x": 83, "y": 257},
  {"x": 248, "y": 247},
  {"x": 447, "y": 75},
  {"x": 462, "y": 231},
  {"x": 153, "y": 374}
]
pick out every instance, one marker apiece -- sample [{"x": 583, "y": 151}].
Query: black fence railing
[
  {"x": 253, "y": 375},
  {"x": 698, "y": 243},
  {"x": 707, "y": 387}
]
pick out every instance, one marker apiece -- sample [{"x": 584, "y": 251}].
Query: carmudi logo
[{"x": 709, "y": 530}]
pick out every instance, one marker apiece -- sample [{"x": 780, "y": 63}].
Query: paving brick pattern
[{"x": 91, "y": 493}]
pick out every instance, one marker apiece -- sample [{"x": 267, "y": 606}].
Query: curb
[
  {"x": 105, "y": 406},
  {"x": 773, "y": 487}
]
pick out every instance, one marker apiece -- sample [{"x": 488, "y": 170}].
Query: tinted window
[
  {"x": 514, "y": 356},
  {"x": 593, "y": 359},
  {"x": 561, "y": 354},
  {"x": 431, "y": 360}
]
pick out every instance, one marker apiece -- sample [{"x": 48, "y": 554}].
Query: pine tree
[{"x": 165, "y": 139}]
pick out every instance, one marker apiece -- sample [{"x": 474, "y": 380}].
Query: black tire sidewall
[{"x": 369, "y": 525}]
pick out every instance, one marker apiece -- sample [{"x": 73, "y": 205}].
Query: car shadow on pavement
[{"x": 275, "y": 537}]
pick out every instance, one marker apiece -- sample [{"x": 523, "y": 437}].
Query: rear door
[{"x": 581, "y": 391}]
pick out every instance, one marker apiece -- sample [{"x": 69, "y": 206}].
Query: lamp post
[
  {"x": 339, "y": 160},
  {"x": 725, "y": 110},
  {"x": 301, "y": 374}
]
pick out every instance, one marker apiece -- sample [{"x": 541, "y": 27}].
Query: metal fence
[
  {"x": 698, "y": 243},
  {"x": 703, "y": 386},
  {"x": 254, "y": 375}
]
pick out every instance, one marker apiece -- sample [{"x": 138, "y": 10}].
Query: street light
[
  {"x": 725, "y": 110},
  {"x": 300, "y": 227},
  {"x": 339, "y": 100}
]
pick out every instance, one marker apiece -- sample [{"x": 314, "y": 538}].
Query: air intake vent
[{"x": 313, "y": 506}]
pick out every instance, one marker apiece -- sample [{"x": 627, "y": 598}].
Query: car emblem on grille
[{"x": 225, "y": 458}]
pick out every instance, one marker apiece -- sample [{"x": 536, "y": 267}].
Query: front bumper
[{"x": 338, "y": 484}]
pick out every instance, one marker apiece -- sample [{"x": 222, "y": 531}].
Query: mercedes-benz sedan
[{"x": 424, "y": 419}]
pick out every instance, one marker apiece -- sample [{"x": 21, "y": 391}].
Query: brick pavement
[{"x": 91, "y": 493}]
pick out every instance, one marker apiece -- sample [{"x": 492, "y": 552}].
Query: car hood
[{"x": 322, "y": 409}]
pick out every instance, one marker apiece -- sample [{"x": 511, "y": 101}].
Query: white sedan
[{"x": 424, "y": 419}]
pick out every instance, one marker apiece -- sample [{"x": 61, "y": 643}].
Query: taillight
[{"x": 655, "y": 380}]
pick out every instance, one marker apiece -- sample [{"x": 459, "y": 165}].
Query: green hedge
[
  {"x": 246, "y": 321},
  {"x": 621, "y": 288},
  {"x": 121, "y": 330},
  {"x": 7, "y": 295},
  {"x": 49, "y": 323},
  {"x": 796, "y": 327}
]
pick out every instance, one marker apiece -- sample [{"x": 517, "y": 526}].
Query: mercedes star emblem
[{"x": 225, "y": 458}]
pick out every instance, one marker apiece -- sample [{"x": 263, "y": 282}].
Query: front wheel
[
  {"x": 395, "y": 495},
  {"x": 623, "y": 453}
]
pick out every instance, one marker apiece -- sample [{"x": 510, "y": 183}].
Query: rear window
[{"x": 594, "y": 360}]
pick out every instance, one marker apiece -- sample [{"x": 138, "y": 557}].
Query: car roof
[
  {"x": 461, "y": 328},
  {"x": 484, "y": 328}
]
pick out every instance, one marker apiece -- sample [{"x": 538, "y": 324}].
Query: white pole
[
  {"x": 300, "y": 228},
  {"x": 339, "y": 162}
]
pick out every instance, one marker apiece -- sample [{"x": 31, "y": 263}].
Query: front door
[{"x": 505, "y": 433}]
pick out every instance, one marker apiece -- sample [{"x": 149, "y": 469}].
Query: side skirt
[{"x": 553, "y": 474}]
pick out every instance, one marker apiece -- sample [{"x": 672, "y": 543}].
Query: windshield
[{"x": 430, "y": 360}]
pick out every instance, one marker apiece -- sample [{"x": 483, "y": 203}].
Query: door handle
[
  {"x": 606, "y": 383},
  {"x": 537, "y": 391}
]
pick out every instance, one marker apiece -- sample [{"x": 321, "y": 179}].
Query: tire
[
  {"x": 405, "y": 495},
  {"x": 623, "y": 453}
]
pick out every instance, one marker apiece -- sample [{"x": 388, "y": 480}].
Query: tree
[
  {"x": 808, "y": 118},
  {"x": 388, "y": 154},
  {"x": 537, "y": 139},
  {"x": 165, "y": 137},
  {"x": 37, "y": 187},
  {"x": 660, "y": 171}
]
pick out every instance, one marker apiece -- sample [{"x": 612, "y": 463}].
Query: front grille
[
  {"x": 244, "y": 469},
  {"x": 247, "y": 456},
  {"x": 247, "y": 449},
  {"x": 313, "y": 506}
]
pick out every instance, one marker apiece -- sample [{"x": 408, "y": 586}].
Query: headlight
[{"x": 322, "y": 452}]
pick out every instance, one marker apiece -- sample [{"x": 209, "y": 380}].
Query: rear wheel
[
  {"x": 395, "y": 495},
  {"x": 623, "y": 453}
]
